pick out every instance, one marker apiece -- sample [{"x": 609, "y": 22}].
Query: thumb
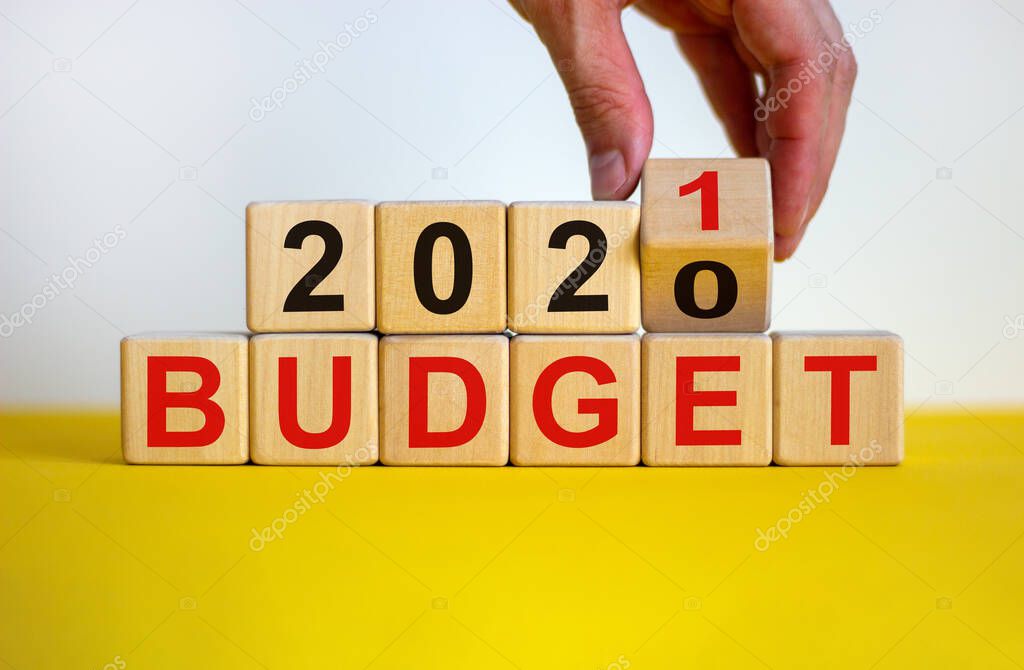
[{"x": 589, "y": 49}]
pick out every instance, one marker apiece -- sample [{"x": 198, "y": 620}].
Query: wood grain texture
[
  {"x": 313, "y": 410},
  {"x": 272, "y": 270},
  {"x": 664, "y": 389},
  {"x": 446, "y": 399},
  {"x": 229, "y": 353},
  {"x": 671, "y": 237},
  {"x": 538, "y": 264},
  {"x": 399, "y": 226},
  {"x": 805, "y": 400},
  {"x": 580, "y": 400}
]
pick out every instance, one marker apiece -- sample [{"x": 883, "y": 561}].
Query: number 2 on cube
[{"x": 301, "y": 298}]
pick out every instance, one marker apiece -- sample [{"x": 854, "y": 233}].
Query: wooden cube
[
  {"x": 706, "y": 245},
  {"x": 838, "y": 398},
  {"x": 441, "y": 267},
  {"x": 444, "y": 400},
  {"x": 575, "y": 400},
  {"x": 573, "y": 267},
  {"x": 313, "y": 399},
  {"x": 185, "y": 398},
  {"x": 707, "y": 399},
  {"x": 309, "y": 266}
]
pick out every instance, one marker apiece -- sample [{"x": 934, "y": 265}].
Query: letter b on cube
[{"x": 184, "y": 399}]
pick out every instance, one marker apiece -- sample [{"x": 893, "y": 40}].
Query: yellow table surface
[{"x": 108, "y": 565}]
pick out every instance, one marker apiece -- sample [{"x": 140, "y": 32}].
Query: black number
[
  {"x": 564, "y": 298},
  {"x": 423, "y": 268},
  {"x": 301, "y": 298},
  {"x": 685, "y": 288}
]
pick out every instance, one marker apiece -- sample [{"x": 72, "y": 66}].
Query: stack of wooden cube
[{"x": 442, "y": 382}]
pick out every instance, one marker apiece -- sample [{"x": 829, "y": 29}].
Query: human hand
[{"x": 787, "y": 43}]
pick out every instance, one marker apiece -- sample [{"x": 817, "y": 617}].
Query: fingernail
[
  {"x": 607, "y": 174},
  {"x": 803, "y": 214}
]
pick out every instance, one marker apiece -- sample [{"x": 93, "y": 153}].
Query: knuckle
[
  {"x": 595, "y": 104},
  {"x": 560, "y": 12},
  {"x": 846, "y": 70}
]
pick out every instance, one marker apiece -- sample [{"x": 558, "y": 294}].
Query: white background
[{"x": 136, "y": 115}]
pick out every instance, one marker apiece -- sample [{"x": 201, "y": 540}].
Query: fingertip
[
  {"x": 637, "y": 154},
  {"x": 615, "y": 173},
  {"x": 790, "y": 213},
  {"x": 607, "y": 174},
  {"x": 794, "y": 170},
  {"x": 786, "y": 245}
]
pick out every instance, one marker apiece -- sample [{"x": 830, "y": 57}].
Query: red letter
[
  {"x": 341, "y": 404},
  {"x": 606, "y": 409},
  {"x": 687, "y": 399},
  {"x": 159, "y": 400},
  {"x": 707, "y": 184},
  {"x": 420, "y": 368},
  {"x": 840, "y": 367}
]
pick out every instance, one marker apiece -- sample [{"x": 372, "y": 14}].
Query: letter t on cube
[{"x": 838, "y": 398}]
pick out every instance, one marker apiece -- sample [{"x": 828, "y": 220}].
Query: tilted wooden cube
[
  {"x": 573, "y": 267},
  {"x": 706, "y": 245},
  {"x": 184, "y": 398},
  {"x": 310, "y": 266},
  {"x": 838, "y": 398},
  {"x": 441, "y": 267},
  {"x": 313, "y": 399},
  {"x": 707, "y": 399},
  {"x": 575, "y": 400},
  {"x": 444, "y": 399}
]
